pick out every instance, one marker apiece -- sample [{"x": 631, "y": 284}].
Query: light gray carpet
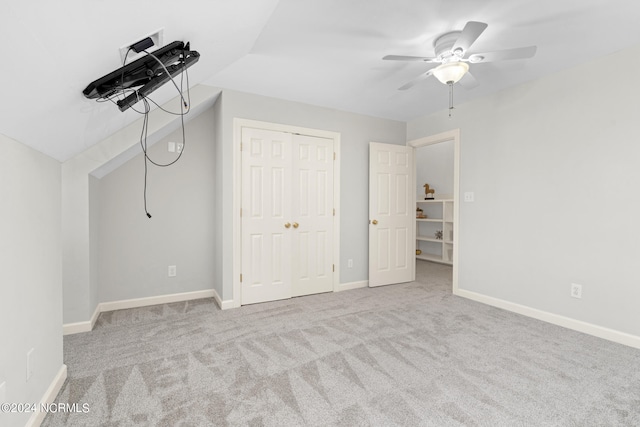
[{"x": 400, "y": 355}]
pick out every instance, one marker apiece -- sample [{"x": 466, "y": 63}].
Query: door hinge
[
  {"x": 241, "y": 146},
  {"x": 240, "y": 212},
  {"x": 334, "y": 156},
  {"x": 334, "y": 211},
  {"x": 240, "y": 277},
  {"x": 334, "y": 268}
]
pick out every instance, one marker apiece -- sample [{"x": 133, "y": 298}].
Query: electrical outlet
[
  {"x": 172, "y": 147},
  {"x": 350, "y": 263},
  {"x": 30, "y": 363},
  {"x": 576, "y": 290},
  {"x": 172, "y": 271},
  {"x": 179, "y": 147},
  {"x": 469, "y": 196}
]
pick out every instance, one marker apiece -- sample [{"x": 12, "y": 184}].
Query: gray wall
[
  {"x": 434, "y": 165},
  {"x": 79, "y": 241},
  {"x": 356, "y": 132},
  {"x": 554, "y": 165},
  {"x": 31, "y": 287},
  {"x": 135, "y": 251}
]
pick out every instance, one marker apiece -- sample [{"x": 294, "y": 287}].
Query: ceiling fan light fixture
[{"x": 450, "y": 72}]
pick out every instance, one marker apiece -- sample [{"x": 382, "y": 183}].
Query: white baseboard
[
  {"x": 80, "y": 327},
  {"x": 75, "y": 328},
  {"x": 352, "y": 285},
  {"x": 49, "y": 396},
  {"x": 224, "y": 305},
  {"x": 160, "y": 299},
  {"x": 556, "y": 319}
]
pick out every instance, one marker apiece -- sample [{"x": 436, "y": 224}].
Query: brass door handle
[
  {"x": 374, "y": 222},
  {"x": 287, "y": 225},
  {"x": 295, "y": 225}
]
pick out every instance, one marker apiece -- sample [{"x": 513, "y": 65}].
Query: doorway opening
[{"x": 440, "y": 147}]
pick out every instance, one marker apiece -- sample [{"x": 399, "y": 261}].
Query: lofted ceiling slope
[{"x": 322, "y": 52}]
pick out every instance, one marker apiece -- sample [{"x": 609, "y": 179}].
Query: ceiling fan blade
[
  {"x": 417, "y": 80},
  {"x": 502, "y": 55},
  {"x": 408, "y": 58},
  {"x": 470, "y": 34},
  {"x": 468, "y": 81}
]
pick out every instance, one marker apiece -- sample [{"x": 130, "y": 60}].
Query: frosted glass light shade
[{"x": 450, "y": 72}]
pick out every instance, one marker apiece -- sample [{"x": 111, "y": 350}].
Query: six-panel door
[
  {"x": 391, "y": 214},
  {"x": 287, "y": 215}
]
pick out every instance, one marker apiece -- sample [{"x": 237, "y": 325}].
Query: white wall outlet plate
[
  {"x": 576, "y": 290},
  {"x": 179, "y": 147},
  {"x": 172, "y": 271},
  {"x": 469, "y": 196},
  {"x": 171, "y": 147}
]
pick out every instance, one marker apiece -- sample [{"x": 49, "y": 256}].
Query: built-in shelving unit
[{"x": 438, "y": 217}]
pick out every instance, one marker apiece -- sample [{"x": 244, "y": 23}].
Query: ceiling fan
[{"x": 451, "y": 53}]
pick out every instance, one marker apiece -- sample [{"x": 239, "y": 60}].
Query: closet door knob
[
  {"x": 295, "y": 225},
  {"x": 374, "y": 222},
  {"x": 287, "y": 225}
]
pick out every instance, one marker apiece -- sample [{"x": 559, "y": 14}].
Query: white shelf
[
  {"x": 428, "y": 239},
  {"x": 440, "y": 217},
  {"x": 434, "y": 200},
  {"x": 433, "y": 258}
]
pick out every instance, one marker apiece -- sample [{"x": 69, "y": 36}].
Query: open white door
[{"x": 391, "y": 214}]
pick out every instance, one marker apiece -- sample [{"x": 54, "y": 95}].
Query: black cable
[
  {"x": 169, "y": 74},
  {"x": 122, "y": 92},
  {"x": 143, "y": 145},
  {"x": 145, "y": 123}
]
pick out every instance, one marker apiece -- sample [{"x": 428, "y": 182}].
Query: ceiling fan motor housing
[{"x": 443, "y": 47}]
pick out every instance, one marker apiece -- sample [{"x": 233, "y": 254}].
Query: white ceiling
[{"x": 322, "y": 52}]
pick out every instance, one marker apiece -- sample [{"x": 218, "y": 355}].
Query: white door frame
[
  {"x": 452, "y": 135},
  {"x": 238, "y": 124}
]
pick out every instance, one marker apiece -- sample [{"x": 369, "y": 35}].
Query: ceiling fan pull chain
[{"x": 450, "y": 98}]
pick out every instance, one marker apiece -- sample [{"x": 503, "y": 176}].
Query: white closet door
[
  {"x": 391, "y": 214},
  {"x": 266, "y": 211},
  {"x": 312, "y": 207}
]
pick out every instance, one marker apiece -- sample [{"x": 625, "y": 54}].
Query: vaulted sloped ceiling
[{"x": 322, "y": 52}]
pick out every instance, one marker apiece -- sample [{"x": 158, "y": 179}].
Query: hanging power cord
[{"x": 184, "y": 109}]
